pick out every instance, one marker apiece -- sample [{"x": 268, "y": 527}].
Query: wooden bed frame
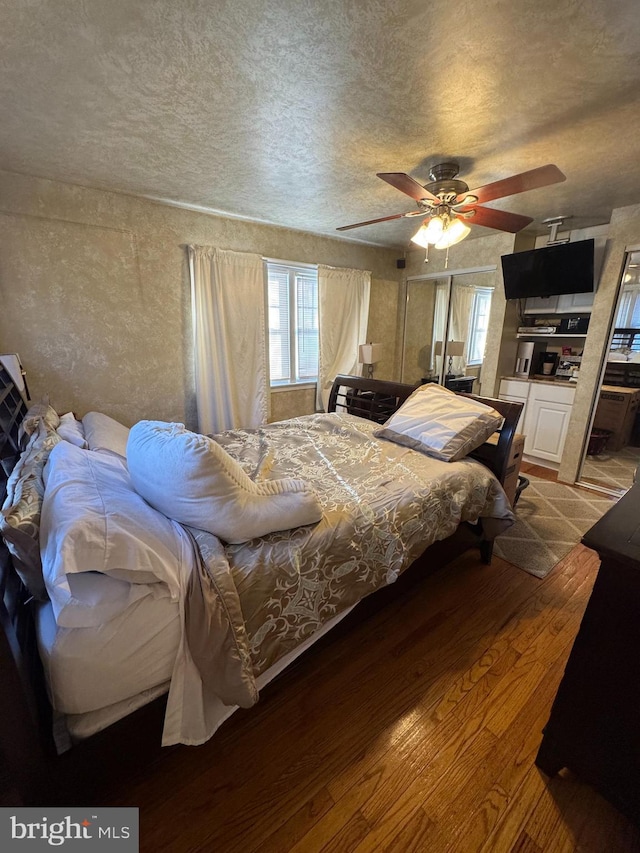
[{"x": 33, "y": 771}]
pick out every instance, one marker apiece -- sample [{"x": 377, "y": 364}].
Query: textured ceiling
[{"x": 283, "y": 110}]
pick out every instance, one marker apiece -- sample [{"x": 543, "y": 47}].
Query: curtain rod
[{"x": 290, "y": 263}]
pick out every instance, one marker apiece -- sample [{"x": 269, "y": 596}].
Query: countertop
[{"x": 546, "y": 380}]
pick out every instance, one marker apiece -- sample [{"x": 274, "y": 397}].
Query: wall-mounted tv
[{"x": 550, "y": 271}]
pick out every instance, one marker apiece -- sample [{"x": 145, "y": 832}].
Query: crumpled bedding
[{"x": 252, "y": 603}]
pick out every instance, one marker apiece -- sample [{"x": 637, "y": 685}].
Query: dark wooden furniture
[
  {"x": 37, "y": 774},
  {"x": 594, "y": 727},
  {"x": 461, "y": 384},
  {"x": 616, "y": 413},
  {"x": 512, "y": 481}
]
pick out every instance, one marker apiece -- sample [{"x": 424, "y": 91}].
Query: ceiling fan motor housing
[{"x": 443, "y": 184}]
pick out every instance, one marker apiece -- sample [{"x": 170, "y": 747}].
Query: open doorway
[{"x": 613, "y": 451}]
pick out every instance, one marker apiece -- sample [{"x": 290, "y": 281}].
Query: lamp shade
[
  {"x": 370, "y": 353},
  {"x": 455, "y": 348},
  {"x": 456, "y": 232},
  {"x": 429, "y": 232},
  {"x": 442, "y": 230},
  {"x": 421, "y": 237}
]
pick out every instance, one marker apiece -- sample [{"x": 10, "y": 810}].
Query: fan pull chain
[
  {"x": 426, "y": 254},
  {"x": 446, "y": 259}
]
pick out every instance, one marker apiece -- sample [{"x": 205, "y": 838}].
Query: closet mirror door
[
  {"x": 613, "y": 451},
  {"x": 470, "y": 305},
  {"x": 445, "y": 328},
  {"x": 425, "y": 322}
]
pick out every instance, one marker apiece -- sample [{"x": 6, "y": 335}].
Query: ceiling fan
[{"x": 447, "y": 203}]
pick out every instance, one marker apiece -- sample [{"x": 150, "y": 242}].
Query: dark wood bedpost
[{"x": 24, "y": 752}]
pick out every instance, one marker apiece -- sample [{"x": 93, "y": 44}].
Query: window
[
  {"x": 629, "y": 310},
  {"x": 292, "y": 297},
  {"x": 478, "y": 324}
]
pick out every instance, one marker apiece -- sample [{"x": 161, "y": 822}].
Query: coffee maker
[
  {"x": 527, "y": 358},
  {"x": 547, "y": 363}
]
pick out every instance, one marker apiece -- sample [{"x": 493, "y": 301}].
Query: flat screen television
[{"x": 550, "y": 271}]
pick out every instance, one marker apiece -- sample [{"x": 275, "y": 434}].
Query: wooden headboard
[
  {"x": 12, "y": 411},
  {"x": 24, "y": 738},
  {"x": 377, "y": 399}
]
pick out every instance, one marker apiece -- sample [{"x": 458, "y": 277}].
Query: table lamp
[
  {"x": 368, "y": 355},
  {"x": 454, "y": 350}
]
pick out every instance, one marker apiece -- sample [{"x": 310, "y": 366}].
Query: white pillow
[
  {"x": 190, "y": 478},
  {"x": 103, "y": 547},
  {"x": 71, "y": 430},
  {"x": 441, "y": 423},
  {"x": 105, "y": 434}
]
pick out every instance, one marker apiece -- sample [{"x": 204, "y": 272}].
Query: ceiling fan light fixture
[
  {"x": 429, "y": 232},
  {"x": 455, "y": 233}
]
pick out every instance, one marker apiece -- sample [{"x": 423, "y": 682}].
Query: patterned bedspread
[{"x": 382, "y": 506}]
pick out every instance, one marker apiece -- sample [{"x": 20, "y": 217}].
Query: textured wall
[
  {"x": 291, "y": 404},
  {"x": 385, "y": 314},
  {"x": 418, "y": 329},
  {"x": 623, "y": 235},
  {"x": 94, "y": 294}
]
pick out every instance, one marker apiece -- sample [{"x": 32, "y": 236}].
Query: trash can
[{"x": 598, "y": 441}]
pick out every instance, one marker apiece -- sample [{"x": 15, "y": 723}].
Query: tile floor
[{"x": 613, "y": 469}]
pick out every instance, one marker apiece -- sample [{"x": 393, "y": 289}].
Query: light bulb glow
[
  {"x": 442, "y": 231},
  {"x": 435, "y": 229},
  {"x": 429, "y": 232},
  {"x": 420, "y": 237},
  {"x": 455, "y": 233}
]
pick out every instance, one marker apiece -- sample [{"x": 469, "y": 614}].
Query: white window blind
[
  {"x": 629, "y": 310},
  {"x": 293, "y": 323}
]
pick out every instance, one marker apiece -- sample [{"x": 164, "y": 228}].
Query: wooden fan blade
[
  {"x": 499, "y": 219},
  {"x": 544, "y": 176},
  {"x": 383, "y": 219},
  {"x": 406, "y": 184}
]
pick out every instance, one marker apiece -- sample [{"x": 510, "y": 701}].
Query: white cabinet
[
  {"x": 547, "y": 420},
  {"x": 541, "y": 305},
  {"x": 515, "y": 388},
  {"x": 567, "y": 303},
  {"x": 516, "y": 392},
  {"x": 575, "y": 303},
  {"x": 545, "y": 417}
]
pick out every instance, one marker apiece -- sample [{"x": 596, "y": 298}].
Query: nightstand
[
  {"x": 464, "y": 384},
  {"x": 511, "y": 479}
]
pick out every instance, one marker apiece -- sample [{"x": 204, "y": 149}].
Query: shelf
[{"x": 557, "y": 335}]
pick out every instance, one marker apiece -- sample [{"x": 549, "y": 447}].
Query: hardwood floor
[
  {"x": 539, "y": 471},
  {"x": 415, "y": 729}
]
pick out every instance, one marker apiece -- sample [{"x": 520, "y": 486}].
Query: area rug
[{"x": 550, "y": 519}]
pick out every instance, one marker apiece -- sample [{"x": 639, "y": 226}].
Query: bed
[{"x": 164, "y": 659}]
